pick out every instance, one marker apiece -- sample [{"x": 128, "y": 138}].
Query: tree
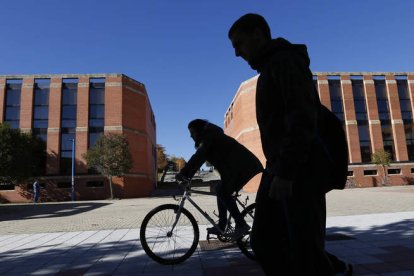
[
  {"x": 166, "y": 163},
  {"x": 110, "y": 156},
  {"x": 162, "y": 161},
  {"x": 382, "y": 158},
  {"x": 22, "y": 155},
  {"x": 180, "y": 163},
  {"x": 172, "y": 163}
]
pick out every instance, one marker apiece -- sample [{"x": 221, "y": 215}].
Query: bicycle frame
[
  {"x": 187, "y": 196},
  {"x": 178, "y": 238}
]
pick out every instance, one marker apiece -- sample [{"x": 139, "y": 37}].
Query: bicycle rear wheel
[
  {"x": 244, "y": 242},
  {"x": 164, "y": 246}
]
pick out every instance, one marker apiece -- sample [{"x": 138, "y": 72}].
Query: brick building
[
  {"x": 376, "y": 110},
  {"x": 58, "y": 108}
]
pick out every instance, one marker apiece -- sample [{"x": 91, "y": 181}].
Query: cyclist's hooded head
[{"x": 197, "y": 128}]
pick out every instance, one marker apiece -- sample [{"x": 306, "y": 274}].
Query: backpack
[{"x": 332, "y": 138}]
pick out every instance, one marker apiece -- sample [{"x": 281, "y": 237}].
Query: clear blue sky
[{"x": 180, "y": 51}]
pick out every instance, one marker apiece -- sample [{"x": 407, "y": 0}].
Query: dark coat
[
  {"x": 235, "y": 163},
  {"x": 287, "y": 108}
]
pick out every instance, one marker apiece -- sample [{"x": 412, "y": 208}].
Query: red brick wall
[
  {"x": 372, "y": 113},
  {"x": 2, "y": 98},
  {"x": 138, "y": 125},
  {"x": 53, "y": 132},
  {"x": 113, "y": 101},
  {"x": 350, "y": 120},
  {"x": 26, "y": 104},
  {"x": 240, "y": 123},
  {"x": 127, "y": 110},
  {"x": 396, "y": 119},
  {"x": 82, "y": 117}
]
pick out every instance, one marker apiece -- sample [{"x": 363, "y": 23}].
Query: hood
[
  {"x": 279, "y": 46},
  {"x": 210, "y": 130}
]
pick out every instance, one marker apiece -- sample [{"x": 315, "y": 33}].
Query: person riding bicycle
[{"x": 235, "y": 163}]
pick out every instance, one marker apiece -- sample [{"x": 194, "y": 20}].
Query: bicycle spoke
[{"x": 173, "y": 247}]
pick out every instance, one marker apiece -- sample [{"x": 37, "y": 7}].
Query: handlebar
[{"x": 184, "y": 181}]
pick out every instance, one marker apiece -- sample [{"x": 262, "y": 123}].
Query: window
[
  {"x": 41, "y": 108},
  {"x": 96, "y": 110},
  {"x": 394, "y": 171},
  {"x": 6, "y": 186},
  {"x": 315, "y": 82},
  {"x": 407, "y": 114},
  {"x": 68, "y": 131},
  {"x": 384, "y": 114},
  {"x": 370, "y": 172},
  {"x": 64, "y": 185},
  {"x": 336, "y": 96},
  {"x": 412, "y": 170},
  {"x": 362, "y": 119},
  {"x": 94, "y": 184},
  {"x": 350, "y": 173},
  {"x": 12, "y": 110}
]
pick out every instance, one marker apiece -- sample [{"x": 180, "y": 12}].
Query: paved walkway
[{"x": 372, "y": 228}]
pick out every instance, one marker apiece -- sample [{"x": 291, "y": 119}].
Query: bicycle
[{"x": 170, "y": 234}]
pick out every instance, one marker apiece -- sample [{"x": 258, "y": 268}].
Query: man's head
[
  {"x": 248, "y": 35},
  {"x": 196, "y": 128}
]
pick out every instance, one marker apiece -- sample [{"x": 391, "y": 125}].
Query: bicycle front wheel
[
  {"x": 244, "y": 242},
  {"x": 164, "y": 245}
]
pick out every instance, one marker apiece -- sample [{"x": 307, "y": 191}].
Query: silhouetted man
[{"x": 289, "y": 227}]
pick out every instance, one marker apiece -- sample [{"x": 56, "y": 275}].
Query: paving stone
[{"x": 102, "y": 238}]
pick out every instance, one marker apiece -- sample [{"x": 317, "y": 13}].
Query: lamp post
[{"x": 73, "y": 170}]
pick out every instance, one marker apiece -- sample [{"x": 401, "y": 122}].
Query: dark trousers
[
  {"x": 225, "y": 202},
  {"x": 288, "y": 236},
  {"x": 36, "y": 197}
]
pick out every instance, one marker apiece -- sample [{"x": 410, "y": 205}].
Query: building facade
[
  {"x": 59, "y": 108},
  {"x": 377, "y": 113}
]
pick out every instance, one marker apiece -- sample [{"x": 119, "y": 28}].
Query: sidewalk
[{"x": 375, "y": 241}]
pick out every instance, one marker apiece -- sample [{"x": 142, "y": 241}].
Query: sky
[{"x": 180, "y": 51}]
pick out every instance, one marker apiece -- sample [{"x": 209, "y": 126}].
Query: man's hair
[
  {"x": 198, "y": 125},
  {"x": 248, "y": 23}
]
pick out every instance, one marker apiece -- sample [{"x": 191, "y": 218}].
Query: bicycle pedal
[{"x": 208, "y": 237}]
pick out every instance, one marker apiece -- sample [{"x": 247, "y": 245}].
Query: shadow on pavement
[
  {"x": 380, "y": 249},
  {"x": 374, "y": 250},
  {"x": 49, "y": 210}
]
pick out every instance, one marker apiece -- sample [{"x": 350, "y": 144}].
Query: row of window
[
  {"x": 360, "y": 104},
  {"x": 68, "y": 119},
  {"x": 68, "y": 112},
  {"x": 371, "y": 172}
]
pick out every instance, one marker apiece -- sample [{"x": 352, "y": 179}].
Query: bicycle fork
[{"x": 177, "y": 214}]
